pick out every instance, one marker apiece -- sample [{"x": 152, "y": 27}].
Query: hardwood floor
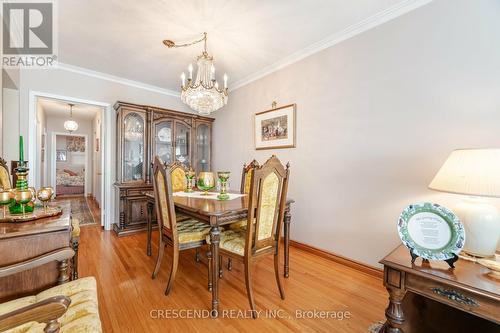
[{"x": 130, "y": 301}]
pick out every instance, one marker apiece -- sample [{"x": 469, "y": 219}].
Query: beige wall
[{"x": 376, "y": 117}]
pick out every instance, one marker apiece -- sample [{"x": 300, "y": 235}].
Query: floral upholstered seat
[
  {"x": 81, "y": 316},
  {"x": 232, "y": 240},
  {"x": 192, "y": 230}
]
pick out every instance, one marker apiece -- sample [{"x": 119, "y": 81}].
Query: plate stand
[{"x": 450, "y": 261}]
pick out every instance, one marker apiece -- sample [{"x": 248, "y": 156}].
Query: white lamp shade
[
  {"x": 470, "y": 171},
  {"x": 70, "y": 125}
]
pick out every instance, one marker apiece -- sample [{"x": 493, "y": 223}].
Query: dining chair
[
  {"x": 246, "y": 178},
  {"x": 180, "y": 235},
  {"x": 266, "y": 207}
]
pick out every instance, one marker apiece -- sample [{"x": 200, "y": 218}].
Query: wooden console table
[
  {"x": 21, "y": 241},
  {"x": 432, "y": 288}
]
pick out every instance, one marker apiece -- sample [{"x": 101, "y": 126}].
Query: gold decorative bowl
[
  {"x": 45, "y": 193},
  {"x": 206, "y": 181},
  {"x": 6, "y": 197},
  {"x": 23, "y": 196}
]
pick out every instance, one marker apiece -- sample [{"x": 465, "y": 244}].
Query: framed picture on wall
[
  {"x": 61, "y": 156},
  {"x": 275, "y": 128}
]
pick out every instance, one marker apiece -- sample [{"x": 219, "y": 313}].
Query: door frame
[
  {"x": 53, "y": 178},
  {"x": 107, "y": 117}
]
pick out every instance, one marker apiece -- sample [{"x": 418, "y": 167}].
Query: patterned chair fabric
[
  {"x": 4, "y": 178},
  {"x": 162, "y": 199},
  {"x": 81, "y": 316},
  {"x": 178, "y": 179},
  {"x": 192, "y": 231},
  {"x": 268, "y": 202},
  {"x": 75, "y": 230},
  {"x": 248, "y": 181},
  {"x": 232, "y": 240}
]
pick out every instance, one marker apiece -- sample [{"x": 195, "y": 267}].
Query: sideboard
[{"x": 142, "y": 132}]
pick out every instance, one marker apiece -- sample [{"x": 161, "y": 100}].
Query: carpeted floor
[{"x": 80, "y": 210}]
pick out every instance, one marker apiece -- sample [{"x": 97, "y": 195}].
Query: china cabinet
[{"x": 142, "y": 132}]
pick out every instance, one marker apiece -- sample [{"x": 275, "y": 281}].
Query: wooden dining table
[{"x": 216, "y": 213}]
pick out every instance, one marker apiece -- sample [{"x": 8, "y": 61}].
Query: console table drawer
[{"x": 480, "y": 304}]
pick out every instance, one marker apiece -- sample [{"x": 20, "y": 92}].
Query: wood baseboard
[{"x": 367, "y": 269}]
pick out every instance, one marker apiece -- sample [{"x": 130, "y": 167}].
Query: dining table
[{"x": 216, "y": 213}]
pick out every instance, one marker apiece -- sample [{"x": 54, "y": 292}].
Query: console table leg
[{"x": 394, "y": 312}]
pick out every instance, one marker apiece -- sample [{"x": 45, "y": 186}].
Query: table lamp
[{"x": 475, "y": 173}]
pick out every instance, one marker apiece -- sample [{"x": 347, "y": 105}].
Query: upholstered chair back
[
  {"x": 164, "y": 203},
  {"x": 246, "y": 176},
  {"x": 267, "y": 202},
  {"x": 178, "y": 173},
  {"x": 4, "y": 175}
]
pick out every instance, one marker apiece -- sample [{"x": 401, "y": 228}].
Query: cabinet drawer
[
  {"x": 466, "y": 300},
  {"x": 134, "y": 192}
]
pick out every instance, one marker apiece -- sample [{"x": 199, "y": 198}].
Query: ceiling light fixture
[
  {"x": 202, "y": 94},
  {"x": 70, "y": 125}
]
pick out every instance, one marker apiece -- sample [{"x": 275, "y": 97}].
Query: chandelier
[
  {"x": 70, "y": 125},
  {"x": 203, "y": 94}
]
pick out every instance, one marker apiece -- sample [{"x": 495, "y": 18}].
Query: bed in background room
[{"x": 70, "y": 181}]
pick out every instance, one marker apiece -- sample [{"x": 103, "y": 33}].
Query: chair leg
[
  {"x": 229, "y": 264},
  {"x": 277, "y": 274},
  {"x": 173, "y": 270},
  {"x": 74, "y": 260},
  {"x": 159, "y": 258},
  {"x": 197, "y": 255},
  {"x": 220, "y": 267},
  {"x": 209, "y": 257},
  {"x": 248, "y": 283}
]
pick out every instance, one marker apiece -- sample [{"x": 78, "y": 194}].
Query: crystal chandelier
[
  {"x": 70, "y": 125},
  {"x": 203, "y": 94}
]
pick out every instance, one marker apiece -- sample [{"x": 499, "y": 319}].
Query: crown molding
[
  {"x": 349, "y": 32},
  {"x": 116, "y": 79}
]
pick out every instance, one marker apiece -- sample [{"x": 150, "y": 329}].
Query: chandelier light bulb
[
  {"x": 190, "y": 69},
  {"x": 183, "y": 79},
  {"x": 70, "y": 125},
  {"x": 225, "y": 81}
]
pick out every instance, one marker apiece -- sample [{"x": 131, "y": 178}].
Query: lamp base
[{"x": 481, "y": 221}]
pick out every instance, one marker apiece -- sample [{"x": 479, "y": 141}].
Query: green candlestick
[{"x": 21, "y": 148}]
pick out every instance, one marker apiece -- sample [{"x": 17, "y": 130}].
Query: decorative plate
[
  {"x": 431, "y": 231},
  {"x": 164, "y": 134}
]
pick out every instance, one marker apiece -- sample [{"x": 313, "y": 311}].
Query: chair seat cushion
[
  {"x": 232, "y": 240},
  {"x": 75, "y": 230},
  {"x": 192, "y": 231},
  {"x": 241, "y": 224},
  {"x": 81, "y": 316}
]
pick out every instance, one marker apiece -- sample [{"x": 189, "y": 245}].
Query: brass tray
[{"x": 38, "y": 213}]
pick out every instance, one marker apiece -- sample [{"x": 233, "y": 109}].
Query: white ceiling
[
  {"x": 124, "y": 37},
  {"x": 57, "y": 108}
]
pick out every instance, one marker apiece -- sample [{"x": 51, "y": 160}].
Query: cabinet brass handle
[{"x": 455, "y": 296}]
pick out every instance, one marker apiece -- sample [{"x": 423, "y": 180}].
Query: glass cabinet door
[
  {"x": 202, "y": 148},
  {"x": 133, "y": 147},
  {"x": 182, "y": 144},
  {"x": 163, "y": 141}
]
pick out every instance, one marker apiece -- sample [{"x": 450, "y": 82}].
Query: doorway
[{"x": 70, "y": 164}]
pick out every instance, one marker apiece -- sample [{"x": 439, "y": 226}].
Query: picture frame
[
  {"x": 61, "y": 156},
  {"x": 275, "y": 128}
]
